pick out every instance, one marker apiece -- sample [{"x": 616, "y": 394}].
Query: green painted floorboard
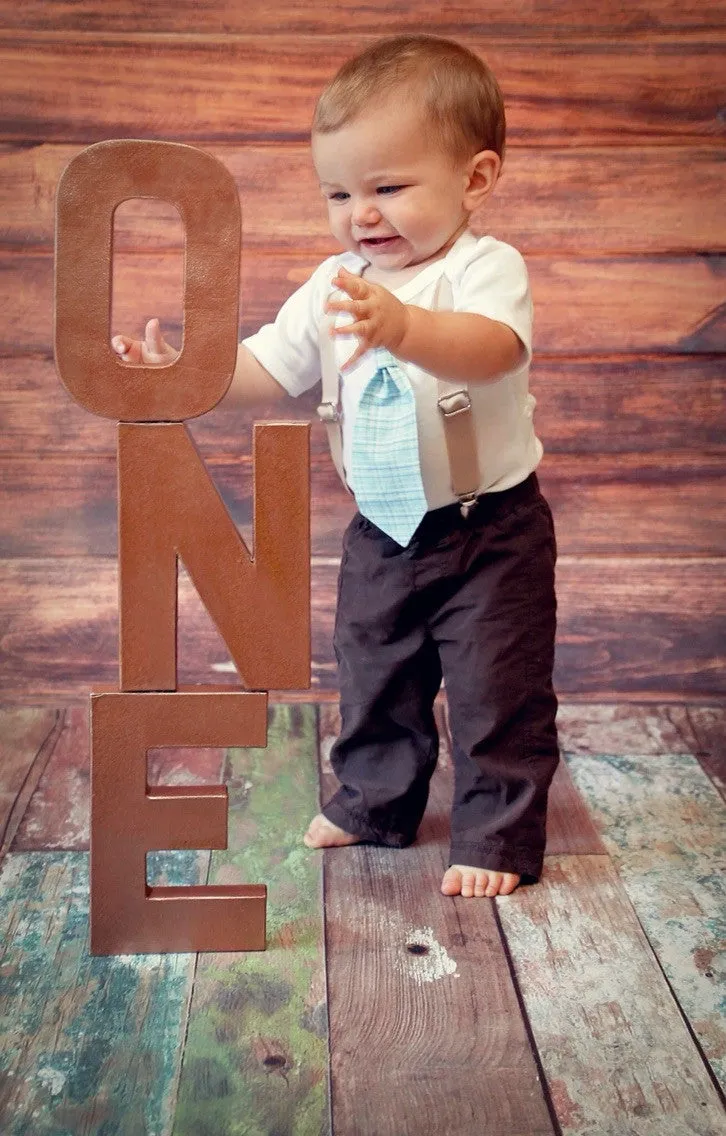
[
  {"x": 256, "y": 1057},
  {"x": 664, "y": 826},
  {"x": 87, "y": 1045}
]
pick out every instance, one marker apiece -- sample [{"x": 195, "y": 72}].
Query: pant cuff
[
  {"x": 359, "y": 826},
  {"x": 522, "y": 862}
]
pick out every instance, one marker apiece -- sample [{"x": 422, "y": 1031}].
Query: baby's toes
[
  {"x": 493, "y": 884},
  {"x": 481, "y": 880},
  {"x": 468, "y": 882}
]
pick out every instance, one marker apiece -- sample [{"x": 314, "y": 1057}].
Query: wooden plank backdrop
[{"x": 613, "y": 189}]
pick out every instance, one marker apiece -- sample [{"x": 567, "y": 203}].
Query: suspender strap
[
  {"x": 329, "y": 410},
  {"x": 458, "y": 421},
  {"x": 453, "y": 401}
]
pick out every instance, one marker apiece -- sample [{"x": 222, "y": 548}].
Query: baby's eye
[
  {"x": 389, "y": 188},
  {"x": 339, "y": 196}
]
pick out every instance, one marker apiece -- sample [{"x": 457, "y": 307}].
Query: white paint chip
[
  {"x": 51, "y": 1079},
  {"x": 432, "y": 964}
]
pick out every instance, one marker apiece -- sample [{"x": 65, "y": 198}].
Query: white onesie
[{"x": 487, "y": 277}]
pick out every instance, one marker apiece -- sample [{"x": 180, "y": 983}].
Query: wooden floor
[{"x": 592, "y": 1002}]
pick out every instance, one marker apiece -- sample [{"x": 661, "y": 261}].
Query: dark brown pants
[{"x": 473, "y": 600}]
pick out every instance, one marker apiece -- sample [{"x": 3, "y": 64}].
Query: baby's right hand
[{"x": 153, "y": 351}]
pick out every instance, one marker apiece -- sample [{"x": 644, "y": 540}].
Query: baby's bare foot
[
  {"x": 324, "y": 834},
  {"x": 467, "y": 882}
]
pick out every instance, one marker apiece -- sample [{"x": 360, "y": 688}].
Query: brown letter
[
  {"x": 169, "y": 506},
  {"x": 128, "y": 818},
  {"x": 203, "y": 190}
]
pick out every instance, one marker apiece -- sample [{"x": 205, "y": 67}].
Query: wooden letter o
[{"x": 92, "y": 186}]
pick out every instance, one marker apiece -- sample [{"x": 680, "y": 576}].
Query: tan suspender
[{"x": 453, "y": 401}]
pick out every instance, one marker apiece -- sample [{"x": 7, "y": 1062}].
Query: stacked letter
[{"x": 169, "y": 508}]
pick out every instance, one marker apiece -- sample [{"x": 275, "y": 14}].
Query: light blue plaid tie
[{"x": 385, "y": 473}]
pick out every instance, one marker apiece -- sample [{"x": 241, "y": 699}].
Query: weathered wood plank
[
  {"x": 617, "y": 405},
  {"x": 615, "y": 1050},
  {"x": 27, "y": 740},
  {"x": 603, "y": 504},
  {"x": 548, "y": 201},
  {"x": 86, "y": 1044},
  {"x": 215, "y": 16},
  {"x": 664, "y": 826},
  {"x": 58, "y": 634},
  {"x": 621, "y": 729},
  {"x": 216, "y": 88},
  {"x": 256, "y": 1049},
  {"x": 625, "y": 729},
  {"x": 57, "y": 815},
  {"x": 570, "y": 829},
  {"x": 709, "y": 725},
  {"x": 584, "y": 306},
  {"x": 418, "y": 1042}
]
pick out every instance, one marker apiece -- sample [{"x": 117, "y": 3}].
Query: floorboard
[
  {"x": 662, "y": 639},
  {"x": 605, "y": 504},
  {"x": 377, "y": 17},
  {"x": 87, "y": 1045},
  {"x": 27, "y": 740},
  {"x": 662, "y": 404},
  {"x": 217, "y": 87},
  {"x": 614, "y": 1047},
  {"x": 664, "y": 827},
  {"x": 419, "y": 1042},
  {"x": 549, "y": 200},
  {"x": 614, "y": 957},
  {"x": 256, "y": 1051},
  {"x": 587, "y": 305}
]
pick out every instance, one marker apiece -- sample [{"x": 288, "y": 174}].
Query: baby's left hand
[{"x": 380, "y": 319}]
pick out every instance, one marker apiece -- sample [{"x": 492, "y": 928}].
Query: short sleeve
[
  {"x": 288, "y": 348},
  {"x": 492, "y": 280}
]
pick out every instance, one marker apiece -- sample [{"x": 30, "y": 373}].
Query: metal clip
[
  {"x": 458, "y": 402},
  {"x": 328, "y": 412},
  {"x": 467, "y": 501}
]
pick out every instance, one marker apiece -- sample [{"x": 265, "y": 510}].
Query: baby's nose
[{"x": 365, "y": 212}]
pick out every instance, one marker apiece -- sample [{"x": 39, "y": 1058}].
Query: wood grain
[
  {"x": 662, "y": 822},
  {"x": 584, "y": 306},
  {"x": 27, "y": 740},
  {"x": 616, "y": 1052},
  {"x": 378, "y": 16},
  {"x": 547, "y": 201},
  {"x": 418, "y": 1042},
  {"x": 86, "y": 1044},
  {"x": 648, "y": 505},
  {"x": 593, "y": 728},
  {"x": 628, "y": 627},
  {"x": 222, "y": 88},
  {"x": 709, "y": 726},
  {"x": 256, "y": 1047},
  {"x": 616, "y": 405}
]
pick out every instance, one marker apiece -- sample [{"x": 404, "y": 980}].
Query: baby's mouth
[{"x": 377, "y": 242}]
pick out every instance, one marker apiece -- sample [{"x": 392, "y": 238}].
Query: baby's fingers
[
  {"x": 128, "y": 349},
  {"x": 155, "y": 349}
]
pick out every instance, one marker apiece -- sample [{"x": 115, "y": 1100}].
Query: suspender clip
[
  {"x": 328, "y": 412},
  {"x": 458, "y": 402},
  {"x": 467, "y": 501}
]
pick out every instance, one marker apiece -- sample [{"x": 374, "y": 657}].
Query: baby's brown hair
[{"x": 459, "y": 93}]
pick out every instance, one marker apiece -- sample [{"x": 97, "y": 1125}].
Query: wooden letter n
[{"x": 170, "y": 508}]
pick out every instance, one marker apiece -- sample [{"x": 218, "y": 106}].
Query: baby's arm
[
  {"x": 460, "y": 346},
  {"x": 251, "y": 383}
]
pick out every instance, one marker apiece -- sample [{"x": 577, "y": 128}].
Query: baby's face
[{"x": 393, "y": 197}]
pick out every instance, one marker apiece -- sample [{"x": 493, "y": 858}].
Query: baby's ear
[{"x": 483, "y": 173}]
